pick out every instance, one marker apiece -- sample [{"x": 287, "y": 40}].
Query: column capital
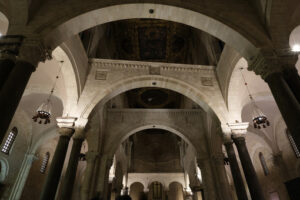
[
  {"x": 266, "y": 63},
  {"x": 66, "y": 122},
  {"x": 33, "y": 51},
  {"x": 239, "y": 128},
  {"x": 9, "y": 46},
  {"x": 66, "y": 131}
]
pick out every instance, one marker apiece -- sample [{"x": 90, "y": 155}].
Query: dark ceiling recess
[
  {"x": 152, "y": 40},
  {"x": 153, "y": 98},
  {"x": 157, "y": 157}
]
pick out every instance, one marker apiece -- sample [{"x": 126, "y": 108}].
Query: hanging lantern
[
  {"x": 258, "y": 118},
  {"x": 43, "y": 113}
]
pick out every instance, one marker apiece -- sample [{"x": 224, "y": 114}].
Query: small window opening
[
  {"x": 263, "y": 163},
  {"x": 45, "y": 163},
  {"x": 9, "y": 140},
  {"x": 293, "y": 143}
]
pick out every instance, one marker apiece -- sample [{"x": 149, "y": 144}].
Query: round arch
[
  {"x": 4, "y": 169},
  {"x": 176, "y": 131},
  {"x": 217, "y": 108},
  {"x": 141, "y": 10}
]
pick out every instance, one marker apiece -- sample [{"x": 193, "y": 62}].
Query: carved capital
[
  {"x": 261, "y": 66},
  {"x": 33, "y": 51},
  {"x": 239, "y": 128},
  {"x": 10, "y": 46},
  {"x": 264, "y": 65},
  {"x": 66, "y": 122}
]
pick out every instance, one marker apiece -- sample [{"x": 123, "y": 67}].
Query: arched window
[
  {"x": 293, "y": 144},
  {"x": 263, "y": 163},
  {"x": 157, "y": 191},
  {"x": 45, "y": 163},
  {"x": 9, "y": 140}
]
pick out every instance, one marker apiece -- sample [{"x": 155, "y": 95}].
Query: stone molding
[
  {"x": 9, "y": 46},
  {"x": 134, "y": 65},
  {"x": 33, "y": 51}
]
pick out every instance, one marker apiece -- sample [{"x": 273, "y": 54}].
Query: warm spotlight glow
[{"x": 296, "y": 48}]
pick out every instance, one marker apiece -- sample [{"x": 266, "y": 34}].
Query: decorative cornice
[{"x": 149, "y": 66}]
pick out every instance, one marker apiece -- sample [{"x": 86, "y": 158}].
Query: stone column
[
  {"x": 52, "y": 180},
  {"x": 86, "y": 185},
  {"x": 208, "y": 178},
  {"x": 9, "y": 49},
  {"x": 292, "y": 78},
  {"x": 222, "y": 177},
  {"x": 285, "y": 94},
  {"x": 287, "y": 103},
  {"x": 196, "y": 190},
  {"x": 239, "y": 130},
  {"x": 19, "y": 184},
  {"x": 31, "y": 52},
  {"x": 68, "y": 182},
  {"x": 235, "y": 171}
]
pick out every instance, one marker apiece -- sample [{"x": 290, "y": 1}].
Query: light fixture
[
  {"x": 44, "y": 110},
  {"x": 258, "y": 118},
  {"x": 294, "y": 40},
  {"x": 296, "y": 48}
]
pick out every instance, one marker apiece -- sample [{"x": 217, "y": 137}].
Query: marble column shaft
[
  {"x": 249, "y": 171},
  {"x": 208, "y": 179},
  {"x": 222, "y": 177},
  {"x": 236, "y": 173},
  {"x": 52, "y": 181},
  {"x": 11, "y": 93},
  {"x": 86, "y": 185},
  {"x": 287, "y": 103},
  {"x": 19, "y": 183},
  {"x": 9, "y": 49},
  {"x": 69, "y": 179},
  {"x": 293, "y": 80}
]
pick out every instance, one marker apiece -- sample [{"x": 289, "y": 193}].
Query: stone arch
[
  {"x": 173, "y": 84},
  {"x": 135, "y": 10},
  {"x": 4, "y": 169},
  {"x": 174, "y": 193},
  {"x": 134, "y": 129},
  {"x": 136, "y": 190}
]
